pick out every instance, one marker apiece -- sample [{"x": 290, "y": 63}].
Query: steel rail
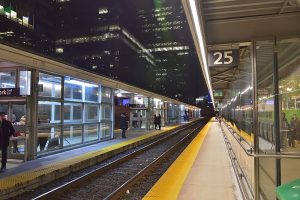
[
  {"x": 119, "y": 192},
  {"x": 84, "y": 178}
]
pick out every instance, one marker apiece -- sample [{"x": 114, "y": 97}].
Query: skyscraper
[
  {"x": 94, "y": 36},
  {"x": 146, "y": 43},
  {"x": 162, "y": 27},
  {"x": 28, "y": 24}
]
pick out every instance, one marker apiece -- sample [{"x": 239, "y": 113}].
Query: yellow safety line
[
  {"x": 26, "y": 177},
  {"x": 169, "y": 185},
  {"x": 246, "y": 136}
]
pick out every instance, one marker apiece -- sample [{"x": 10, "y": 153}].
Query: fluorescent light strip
[{"x": 199, "y": 33}]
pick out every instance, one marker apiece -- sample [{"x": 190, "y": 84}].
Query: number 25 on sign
[{"x": 223, "y": 58}]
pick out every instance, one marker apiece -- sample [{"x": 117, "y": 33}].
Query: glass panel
[
  {"x": 18, "y": 120},
  {"x": 289, "y": 84},
  {"x": 264, "y": 68},
  {"x": 49, "y": 112},
  {"x": 48, "y": 138},
  {"x": 91, "y": 112},
  {"x": 72, "y": 135},
  {"x": 90, "y": 132},
  {"x": 25, "y": 81},
  {"x": 18, "y": 114},
  {"x": 289, "y": 170},
  {"x": 4, "y": 108},
  {"x": 140, "y": 101},
  {"x": 106, "y": 95},
  {"x": 72, "y": 112},
  {"x": 106, "y": 112},
  {"x": 8, "y": 79},
  {"x": 264, "y": 57},
  {"x": 51, "y": 85},
  {"x": 91, "y": 93},
  {"x": 267, "y": 178},
  {"x": 72, "y": 91},
  {"x": 105, "y": 131}
]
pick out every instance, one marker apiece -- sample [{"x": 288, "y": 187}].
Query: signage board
[
  {"x": 137, "y": 105},
  {"x": 9, "y": 92},
  {"x": 223, "y": 58}
]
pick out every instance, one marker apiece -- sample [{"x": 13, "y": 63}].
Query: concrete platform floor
[
  {"x": 18, "y": 166},
  {"x": 211, "y": 176}
]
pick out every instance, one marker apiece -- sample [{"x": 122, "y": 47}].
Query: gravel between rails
[
  {"x": 140, "y": 189},
  {"x": 106, "y": 183},
  {"x": 105, "y": 187}
]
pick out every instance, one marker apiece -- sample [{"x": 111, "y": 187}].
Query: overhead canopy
[{"x": 228, "y": 23}]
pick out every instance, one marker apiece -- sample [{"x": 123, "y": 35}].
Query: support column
[
  {"x": 32, "y": 102},
  {"x": 255, "y": 122},
  {"x": 276, "y": 113}
]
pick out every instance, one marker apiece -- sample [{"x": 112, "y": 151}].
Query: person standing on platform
[
  {"x": 284, "y": 127},
  {"x": 6, "y": 131},
  {"x": 124, "y": 125},
  {"x": 159, "y": 121},
  {"x": 295, "y": 129},
  {"x": 155, "y": 122}
]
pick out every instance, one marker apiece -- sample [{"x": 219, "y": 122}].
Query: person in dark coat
[
  {"x": 6, "y": 131},
  {"x": 295, "y": 129},
  {"x": 124, "y": 125},
  {"x": 155, "y": 122},
  {"x": 159, "y": 121}
]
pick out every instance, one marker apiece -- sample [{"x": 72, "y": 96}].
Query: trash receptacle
[{"x": 289, "y": 191}]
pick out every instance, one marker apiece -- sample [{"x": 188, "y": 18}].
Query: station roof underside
[{"x": 235, "y": 23}]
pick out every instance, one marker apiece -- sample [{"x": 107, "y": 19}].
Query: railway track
[{"x": 113, "y": 180}]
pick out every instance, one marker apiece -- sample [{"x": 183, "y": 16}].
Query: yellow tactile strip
[
  {"x": 16, "y": 184},
  {"x": 169, "y": 185},
  {"x": 246, "y": 136}
]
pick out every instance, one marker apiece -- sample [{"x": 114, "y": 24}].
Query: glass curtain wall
[
  {"x": 278, "y": 88},
  {"x": 71, "y": 112}
]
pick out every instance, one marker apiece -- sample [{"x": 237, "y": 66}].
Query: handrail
[
  {"x": 277, "y": 156},
  {"x": 264, "y": 154},
  {"x": 250, "y": 151}
]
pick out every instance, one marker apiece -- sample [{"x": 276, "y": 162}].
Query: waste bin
[{"x": 289, "y": 191}]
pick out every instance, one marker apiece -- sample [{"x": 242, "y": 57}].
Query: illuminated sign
[
  {"x": 9, "y": 92},
  {"x": 228, "y": 58}
]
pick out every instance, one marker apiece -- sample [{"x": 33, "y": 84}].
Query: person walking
[
  {"x": 159, "y": 121},
  {"x": 6, "y": 131},
  {"x": 124, "y": 125}
]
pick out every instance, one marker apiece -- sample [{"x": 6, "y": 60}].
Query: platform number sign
[{"x": 226, "y": 58}]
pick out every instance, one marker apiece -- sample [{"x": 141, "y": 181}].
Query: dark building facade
[
  {"x": 145, "y": 43},
  {"x": 94, "y": 36},
  {"x": 163, "y": 29},
  {"x": 28, "y": 24}
]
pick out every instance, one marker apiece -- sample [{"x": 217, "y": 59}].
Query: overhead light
[
  {"x": 81, "y": 83},
  {"x": 119, "y": 94},
  {"x": 200, "y": 37}
]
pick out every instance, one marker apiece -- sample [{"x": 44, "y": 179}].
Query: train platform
[
  {"x": 202, "y": 171},
  {"x": 23, "y": 176}
]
